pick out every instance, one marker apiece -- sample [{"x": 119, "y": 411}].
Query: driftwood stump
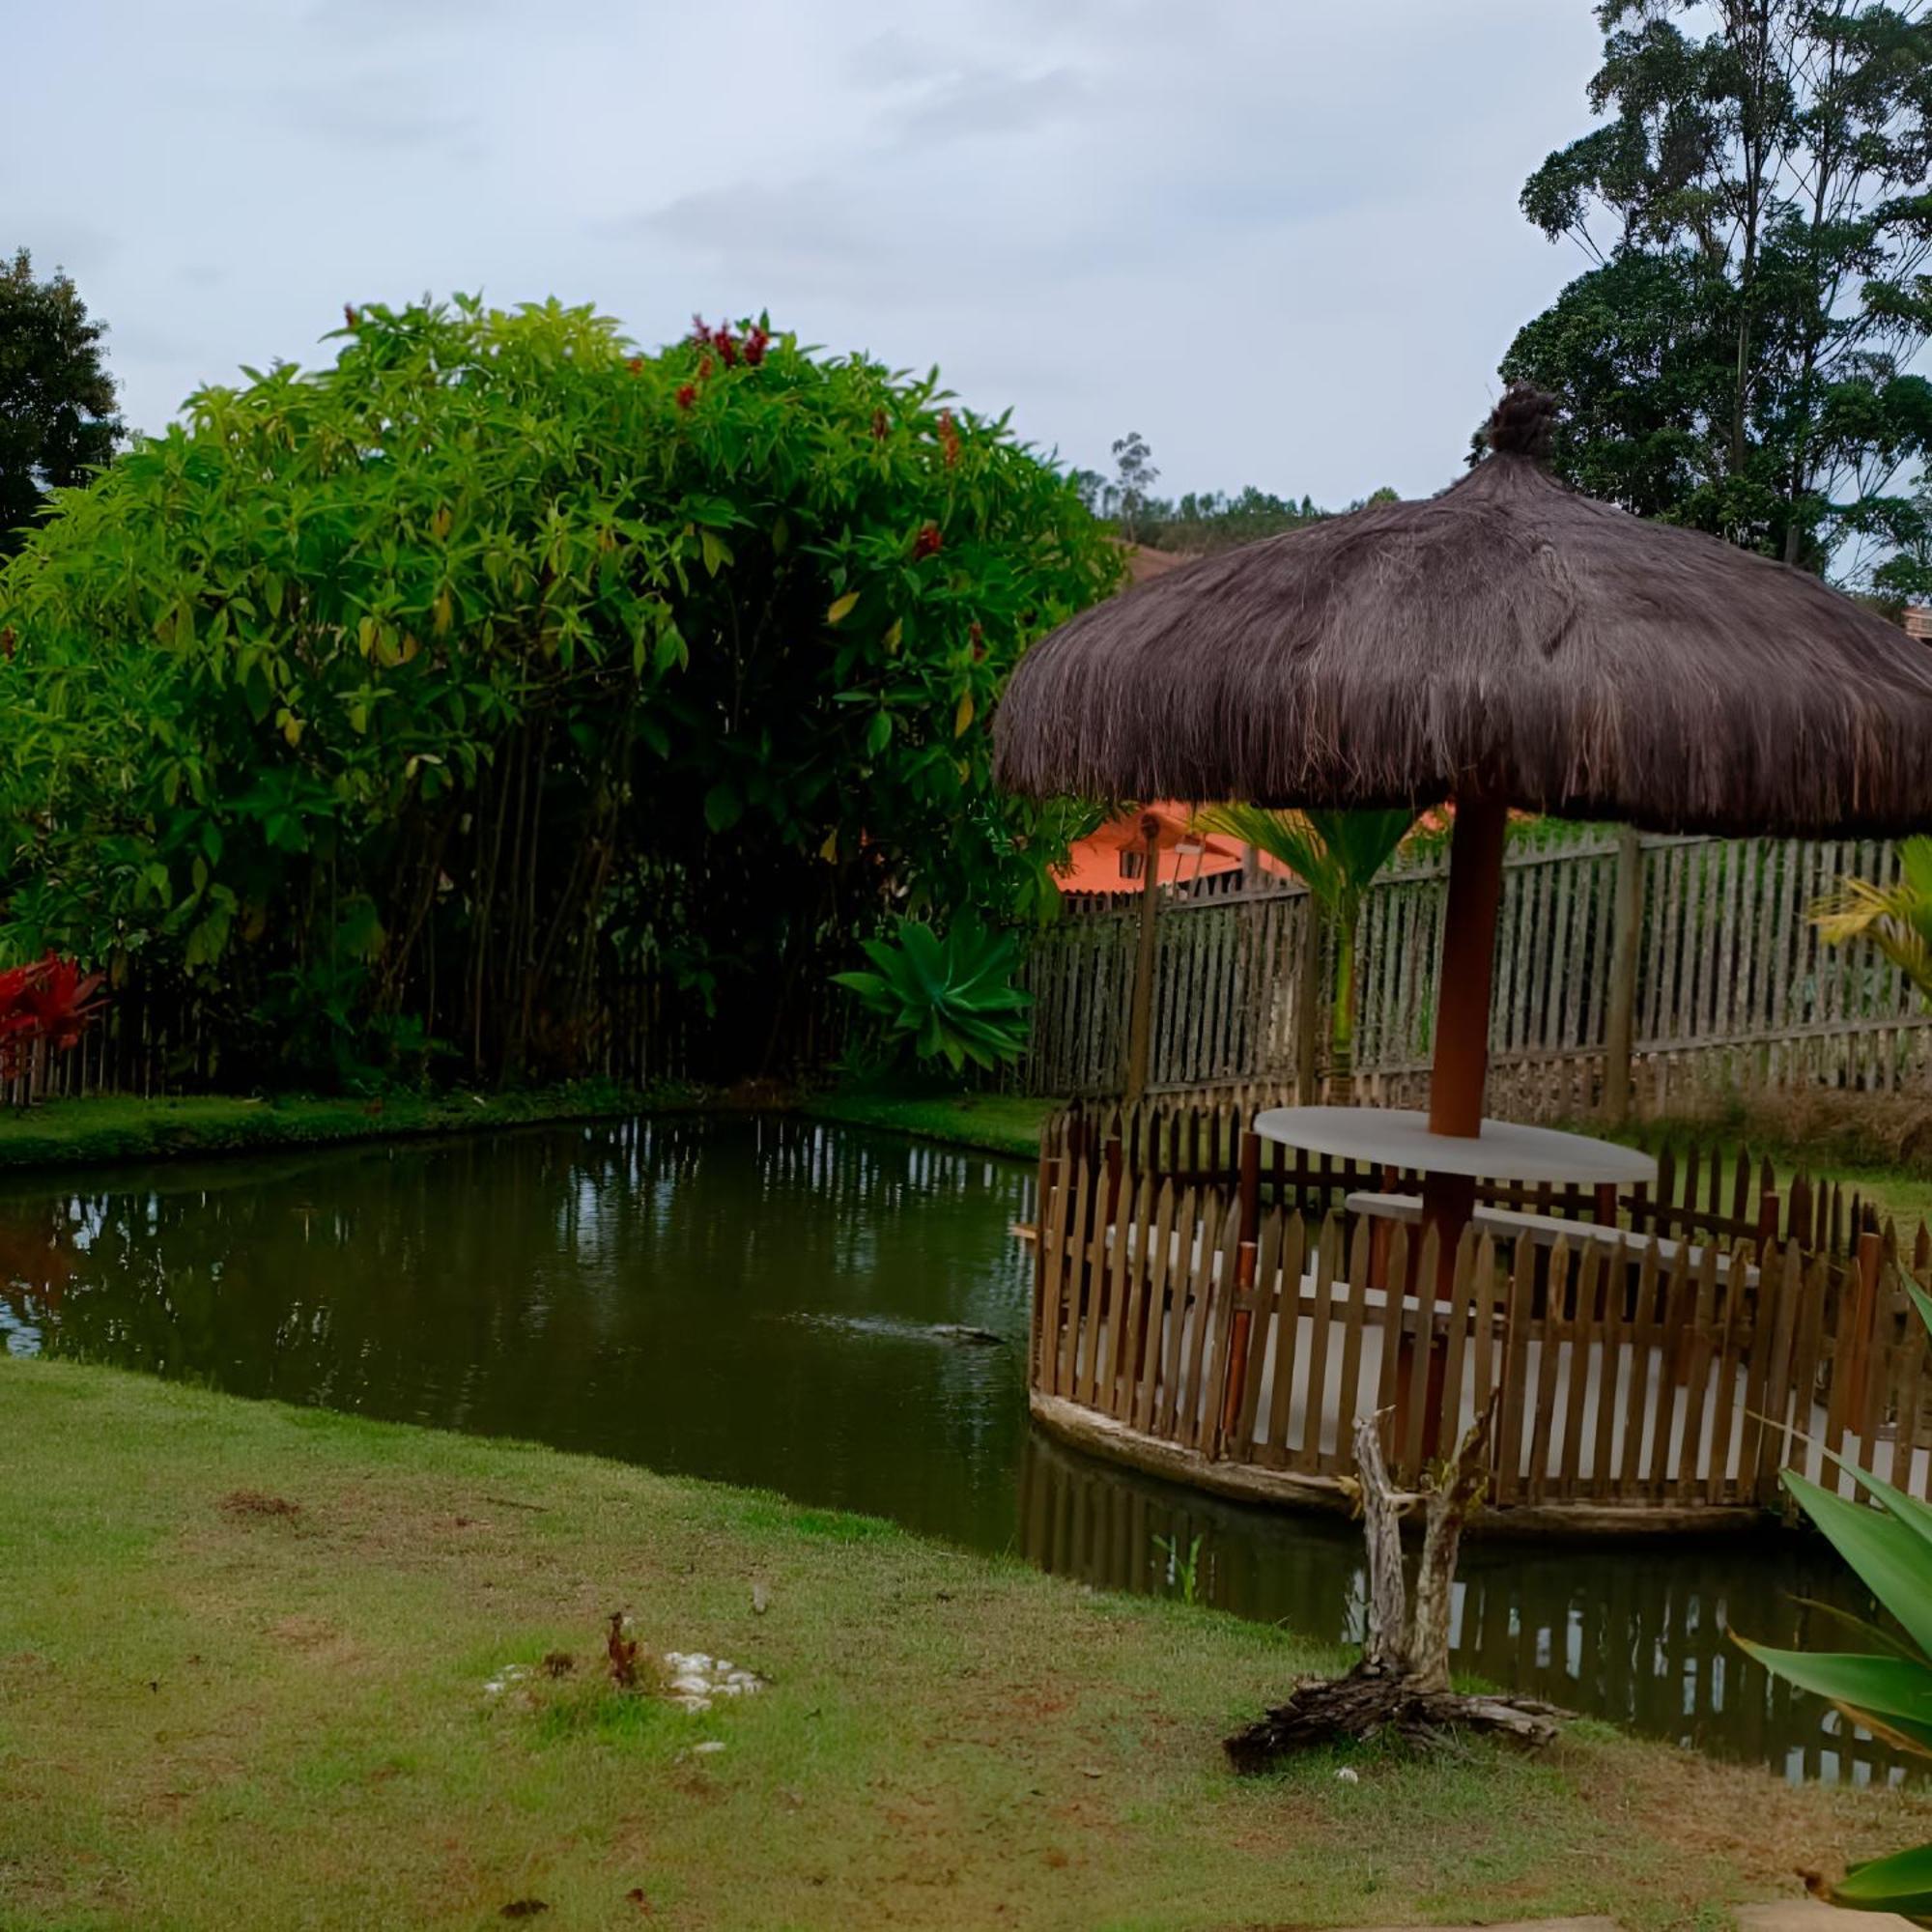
[{"x": 1402, "y": 1683}]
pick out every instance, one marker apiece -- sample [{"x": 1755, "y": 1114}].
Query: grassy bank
[
  {"x": 1006, "y": 1123},
  {"x": 242, "y": 1659},
  {"x": 124, "y": 1127}
]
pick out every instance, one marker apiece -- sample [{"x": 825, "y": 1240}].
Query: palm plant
[
  {"x": 1336, "y": 855},
  {"x": 1897, "y": 918},
  {"x": 1886, "y": 1690}
]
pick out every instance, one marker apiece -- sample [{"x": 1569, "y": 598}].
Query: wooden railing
[
  {"x": 1655, "y": 1365},
  {"x": 1724, "y": 979}
]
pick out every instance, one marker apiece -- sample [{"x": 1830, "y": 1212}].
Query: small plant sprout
[{"x": 1183, "y": 1574}]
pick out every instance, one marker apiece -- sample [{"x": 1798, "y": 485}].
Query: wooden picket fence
[
  {"x": 1649, "y": 1365},
  {"x": 1726, "y": 981}
]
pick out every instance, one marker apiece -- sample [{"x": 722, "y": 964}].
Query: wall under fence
[
  {"x": 1220, "y": 1311},
  {"x": 1681, "y": 965}
]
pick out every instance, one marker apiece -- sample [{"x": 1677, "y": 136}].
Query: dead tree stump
[{"x": 1402, "y": 1683}]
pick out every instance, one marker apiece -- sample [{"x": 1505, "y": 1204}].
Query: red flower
[
  {"x": 927, "y": 542},
  {"x": 699, "y": 331},
  {"x": 636, "y": 365},
  {"x": 687, "y": 394},
  {"x": 349, "y": 315},
  {"x": 948, "y": 439},
  {"x": 725, "y": 347},
  {"x": 880, "y": 426},
  {"x": 757, "y": 341},
  {"x": 705, "y": 368},
  {"x": 49, "y": 1002}
]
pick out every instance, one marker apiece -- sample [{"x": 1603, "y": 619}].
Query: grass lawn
[
  {"x": 242, "y": 1651},
  {"x": 125, "y": 1127},
  {"x": 996, "y": 1122}
]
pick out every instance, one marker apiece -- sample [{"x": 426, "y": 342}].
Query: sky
[{"x": 1279, "y": 239}]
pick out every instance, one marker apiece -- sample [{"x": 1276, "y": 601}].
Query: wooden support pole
[
  {"x": 1308, "y": 1003},
  {"x": 1246, "y": 1252},
  {"x": 1461, "y": 1061},
  {"x": 1620, "y": 1017},
  {"x": 1140, "y": 1018}
]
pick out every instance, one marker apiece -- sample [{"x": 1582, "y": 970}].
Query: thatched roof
[{"x": 1508, "y": 632}]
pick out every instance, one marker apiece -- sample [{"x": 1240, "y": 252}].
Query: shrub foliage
[{"x": 411, "y": 699}]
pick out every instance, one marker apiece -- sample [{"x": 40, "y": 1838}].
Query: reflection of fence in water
[{"x": 1636, "y": 1637}]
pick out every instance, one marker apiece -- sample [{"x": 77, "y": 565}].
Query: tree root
[{"x": 1367, "y": 1702}]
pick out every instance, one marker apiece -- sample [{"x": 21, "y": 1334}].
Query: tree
[
  {"x": 1336, "y": 855},
  {"x": 416, "y": 698},
  {"x": 1136, "y": 476},
  {"x": 1756, "y": 213},
  {"x": 57, "y": 409}
]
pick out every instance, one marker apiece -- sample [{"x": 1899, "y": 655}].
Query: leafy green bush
[
  {"x": 951, "y": 998},
  {"x": 496, "y": 659}
]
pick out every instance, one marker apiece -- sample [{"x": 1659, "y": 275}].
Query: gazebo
[{"x": 1506, "y": 643}]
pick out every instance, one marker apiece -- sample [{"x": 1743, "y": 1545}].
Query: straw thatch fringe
[{"x": 1508, "y": 634}]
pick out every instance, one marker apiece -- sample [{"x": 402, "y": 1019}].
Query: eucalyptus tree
[{"x": 1755, "y": 206}]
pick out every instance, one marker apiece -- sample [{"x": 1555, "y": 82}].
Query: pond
[{"x": 776, "y": 1302}]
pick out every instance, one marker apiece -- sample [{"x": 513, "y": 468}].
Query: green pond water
[{"x": 778, "y": 1302}]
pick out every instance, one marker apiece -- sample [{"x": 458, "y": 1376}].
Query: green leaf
[
  {"x": 1894, "y": 1563},
  {"x": 1892, "y": 1687},
  {"x": 1901, "y": 1883},
  {"x": 879, "y": 732},
  {"x": 842, "y": 608},
  {"x": 717, "y": 551},
  {"x": 723, "y": 808}
]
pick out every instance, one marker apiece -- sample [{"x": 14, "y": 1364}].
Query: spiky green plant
[
  {"x": 950, "y": 999},
  {"x": 1897, "y": 918},
  {"x": 1336, "y": 855},
  {"x": 1886, "y": 1690}
]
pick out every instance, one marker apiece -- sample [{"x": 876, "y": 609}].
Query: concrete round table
[{"x": 1400, "y": 1138}]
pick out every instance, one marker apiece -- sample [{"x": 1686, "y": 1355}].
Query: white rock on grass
[{"x": 696, "y": 1679}]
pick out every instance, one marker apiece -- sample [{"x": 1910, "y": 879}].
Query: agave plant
[
  {"x": 1897, "y": 918},
  {"x": 950, "y": 997},
  {"x": 1336, "y": 855},
  {"x": 1886, "y": 1690}
]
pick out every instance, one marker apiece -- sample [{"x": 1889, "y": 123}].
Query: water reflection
[
  {"x": 768, "y": 1302},
  {"x": 1629, "y": 1631}
]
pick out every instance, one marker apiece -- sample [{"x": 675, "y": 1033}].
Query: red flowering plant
[{"x": 47, "y": 1003}]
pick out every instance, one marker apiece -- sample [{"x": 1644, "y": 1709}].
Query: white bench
[{"x": 1547, "y": 1231}]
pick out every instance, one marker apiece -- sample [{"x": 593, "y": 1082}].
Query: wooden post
[
  {"x": 1308, "y": 1003},
  {"x": 1140, "y": 1018},
  {"x": 1246, "y": 1252},
  {"x": 1620, "y": 1018}
]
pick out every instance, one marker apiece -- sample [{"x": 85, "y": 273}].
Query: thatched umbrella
[{"x": 1508, "y": 642}]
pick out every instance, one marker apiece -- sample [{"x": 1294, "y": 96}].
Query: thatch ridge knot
[{"x": 1521, "y": 422}]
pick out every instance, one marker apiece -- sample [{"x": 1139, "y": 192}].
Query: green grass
[
  {"x": 125, "y": 1127},
  {"x": 242, "y": 1651},
  {"x": 996, "y": 1122}
]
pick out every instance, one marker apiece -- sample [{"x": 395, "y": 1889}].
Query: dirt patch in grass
[
  {"x": 295, "y": 1728},
  {"x": 257, "y": 1503}
]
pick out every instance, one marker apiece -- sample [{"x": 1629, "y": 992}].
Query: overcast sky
[{"x": 1279, "y": 237}]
